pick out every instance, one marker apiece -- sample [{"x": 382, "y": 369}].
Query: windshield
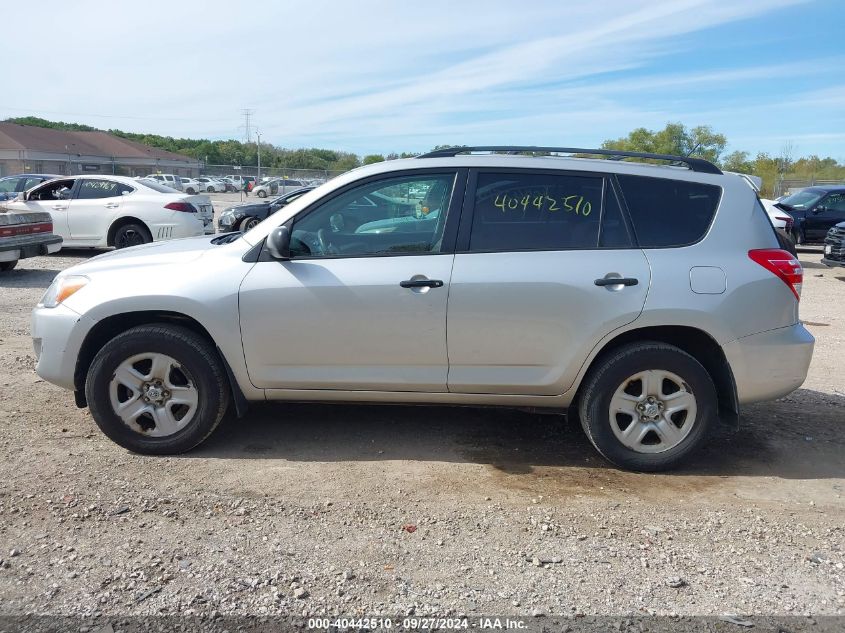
[{"x": 801, "y": 199}]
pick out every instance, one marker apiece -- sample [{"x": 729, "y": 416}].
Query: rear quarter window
[{"x": 668, "y": 212}]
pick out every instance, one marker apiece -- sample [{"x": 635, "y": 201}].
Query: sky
[{"x": 376, "y": 76}]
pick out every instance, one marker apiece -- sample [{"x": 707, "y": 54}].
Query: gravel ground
[{"x": 367, "y": 510}]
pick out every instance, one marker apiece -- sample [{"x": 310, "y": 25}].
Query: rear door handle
[
  {"x": 112, "y": 205},
  {"x": 616, "y": 281},
  {"x": 421, "y": 283}
]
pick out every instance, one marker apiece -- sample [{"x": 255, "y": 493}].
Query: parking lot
[{"x": 319, "y": 509}]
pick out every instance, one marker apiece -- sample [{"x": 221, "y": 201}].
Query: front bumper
[
  {"x": 833, "y": 263},
  {"x": 21, "y": 247},
  {"x": 771, "y": 364},
  {"x": 57, "y": 340}
]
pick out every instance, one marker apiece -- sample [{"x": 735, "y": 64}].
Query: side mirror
[
  {"x": 820, "y": 209},
  {"x": 278, "y": 243}
]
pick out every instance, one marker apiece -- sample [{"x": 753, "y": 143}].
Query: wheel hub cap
[
  {"x": 652, "y": 411},
  {"x": 153, "y": 394}
]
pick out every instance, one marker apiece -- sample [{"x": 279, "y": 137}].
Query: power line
[{"x": 247, "y": 116}]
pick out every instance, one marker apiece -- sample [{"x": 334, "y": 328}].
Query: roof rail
[{"x": 695, "y": 164}]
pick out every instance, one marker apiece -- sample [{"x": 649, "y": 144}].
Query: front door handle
[
  {"x": 421, "y": 283},
  {"x": 616, "y": 281}
]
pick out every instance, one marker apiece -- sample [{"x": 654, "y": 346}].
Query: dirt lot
[{"x": 312, "y": 509}]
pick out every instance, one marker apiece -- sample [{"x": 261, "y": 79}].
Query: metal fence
[
  {"x": 270, "y": 172},
  {"x": 786, "y": 186}
]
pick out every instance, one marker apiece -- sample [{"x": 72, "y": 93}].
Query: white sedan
[
  {"x": 102, "y": 211},
  {"x": 191, "y": 186},
  {"x": 780, "y": 218},
  {"x": 211, "y": 185}
]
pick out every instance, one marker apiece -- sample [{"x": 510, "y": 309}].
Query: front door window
[{"x": 403, "y": 215}]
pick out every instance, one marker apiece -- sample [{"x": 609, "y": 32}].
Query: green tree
[
  {"x": 739, "y": 162},
  {"x": 369, "y": 159},
  {"x": 675, "y": 139}
]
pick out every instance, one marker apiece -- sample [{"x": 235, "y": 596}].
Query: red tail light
[
  {"x": 26, "y": 229},
  {"x": 789, "y": 221},
  {"x": 781, "y": 264},
  {"x": 185, "y": 207}
]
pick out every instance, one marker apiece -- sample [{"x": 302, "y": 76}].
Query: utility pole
[
  {"x": 247, "y": 116},
  {"x": 258, "y": 136}
]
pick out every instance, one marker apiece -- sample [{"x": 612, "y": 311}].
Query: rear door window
[
  {"x": 668, "y": 212},
  {"x": 9, "y": 185},
  {"x": 524, "y": 210},
  {"x": 90, "y": 189}
]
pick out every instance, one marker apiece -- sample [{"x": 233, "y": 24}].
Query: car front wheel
[
  {"x": 262, "y": 193},
  {"x": 157, "y": 389},
  {"x": 648, "y": 406},
  {"x": 249, "y": 223},
  {"x": 7, "y": 266}
]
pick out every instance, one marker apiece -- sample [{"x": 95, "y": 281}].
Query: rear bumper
[
  {"x": 15, "y": 248},
  {"x": 770, "y": 364}
]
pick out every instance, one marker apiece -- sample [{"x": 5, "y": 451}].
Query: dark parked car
[
  {"x": 834, "y": 246},
  {"x": 11, "y": 186},
  {"x": 815, "y": 210},
  {"x": 242, "y": 217}
]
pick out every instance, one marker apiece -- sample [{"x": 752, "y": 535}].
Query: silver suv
[{"x": 650, "y": 300}]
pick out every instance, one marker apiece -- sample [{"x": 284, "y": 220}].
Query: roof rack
[{"x": 695, "y": 164}]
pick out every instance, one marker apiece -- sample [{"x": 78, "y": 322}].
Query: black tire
[
  {"x": 210, "y": 190},
  {"x": 798, "y": 237},
  {"x": 7, "y": 266},
  {"x": 248, "y": 223},
  {"x": 262, "y": 193},
  {"x": 200, "y": 361},
  {"x": 612, "y": 371},
  {"x": 131, "y": 234}
]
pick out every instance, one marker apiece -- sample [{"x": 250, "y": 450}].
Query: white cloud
[{"x": 375, "y": 76}]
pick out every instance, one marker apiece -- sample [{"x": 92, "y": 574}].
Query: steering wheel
[{"x": 326, "y": 247}]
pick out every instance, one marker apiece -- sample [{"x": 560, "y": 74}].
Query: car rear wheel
[
  {"x": 131, "y": 235},
  {"x": 210, "y": 190},
  {"x": 157, "y": 389},
  {"x": 648, "y": 406},
  {"x": 7, "y": 266},
  {"x": 797, "y": 237},
  {"x": 262, "y": 193}
]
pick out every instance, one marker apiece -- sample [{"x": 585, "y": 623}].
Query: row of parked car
[
  {"x": 234, "y": 182},
  {"x": 207, "y": 184}
]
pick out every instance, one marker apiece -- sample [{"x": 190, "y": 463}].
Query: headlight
[
  {"x": 61, "y": 289},
  {"x": 226, "y": 219}
]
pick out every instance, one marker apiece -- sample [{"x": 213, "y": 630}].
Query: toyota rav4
[{"x": 649, "y": 300}]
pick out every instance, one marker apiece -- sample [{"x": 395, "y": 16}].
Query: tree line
[{"x": 675, "y": 138}]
